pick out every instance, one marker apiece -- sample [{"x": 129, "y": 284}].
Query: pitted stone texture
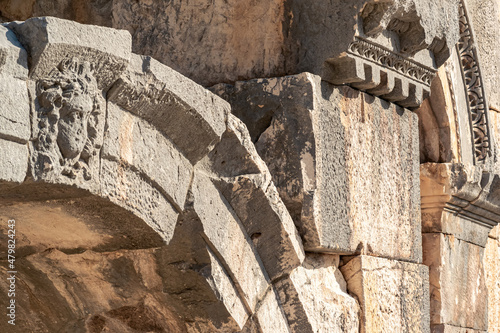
[
  {"x": 68, "y": 118},
  {"x": 127, "y": 188},
  {"x": 453, "y": 329},
  {"x": 492, "y": 272},
  {"x": 13, "y": 161},
  {"x": 485, "y": 17},
  {"x": 225, "y": 236},
  {"x": 122, "y": 293},
  {"x": 233, "y": 41},
  {"x": 315, "y": 298},
  {"x": 460, "y": 200},
  {"x": 132, "y": 141},
  {"x": 245, "y": 182},
  {"x": 191, "y": 116},
  {"x": 50, "y": 41},
  {"x": 14, "y": 106},
  {"x": 270, "y": 315},
  {"x": 345, "y": 164},
  {"x": 393, "y": 295},
  {"x": 13, "y": 56},
  {"x": 459, "y": 295}
]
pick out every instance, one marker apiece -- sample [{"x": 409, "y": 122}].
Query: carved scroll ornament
[{"x": 473, "y": 82}]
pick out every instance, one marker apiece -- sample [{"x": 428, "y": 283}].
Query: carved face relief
[
  {"x": 74, "y": 115},
  {"x": 69, "y": 121}
]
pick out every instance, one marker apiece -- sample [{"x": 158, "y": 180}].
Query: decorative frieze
[
  {"x": 383, "y": 57},
  {"x": 473, "y": 82},
  {"x": 381, "y": 72}
]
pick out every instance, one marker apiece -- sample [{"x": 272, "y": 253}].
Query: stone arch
[{"x": 158, "y": 180}]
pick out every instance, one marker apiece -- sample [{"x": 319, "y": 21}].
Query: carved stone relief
[
  {"x": 396, "y": 50},
  {"x": 68, "y": 122},
  {"x": 473, "y": 82}
]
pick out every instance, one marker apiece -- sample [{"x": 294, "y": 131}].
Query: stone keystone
[{"x": 50, "y": 41}]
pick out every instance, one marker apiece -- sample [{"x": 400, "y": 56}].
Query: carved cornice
[
  {"x": 388, "y": 59},
  {"x": 474, "y": 88}
]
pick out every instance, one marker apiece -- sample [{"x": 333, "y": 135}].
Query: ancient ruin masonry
[{"x": 224, "y": 166}]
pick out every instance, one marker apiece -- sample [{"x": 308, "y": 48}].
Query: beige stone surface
[
  {"x": 453, "y": 329},
  {"x": 244, "y": 180},
  {"x": 13, "y": 161},
  {"x": 134, "y": 142},
  {"x": 492, "y": 273},
  {"x": 485, "y": 17},
  {"x": 344, "y": 163},
  {"x": 459, "y": 295},
  {"x": 224, "y": 235},
  {"x": 315, "y": 298},
  {"x": 270, "y": 315},
  {"x": 50, "y": 40},
  {"x": 181, "y": 109},
  {"x": 128, "y": 189},
  {"x": 14, "y": 106},
  {"x": 393, "y": 295}
]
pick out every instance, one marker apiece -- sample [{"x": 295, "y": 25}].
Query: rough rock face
[
  {"x": 225, "y": 41},
  {"x": 393, "y": 295},
  {"x": 154, "y": 232},
  {"x": 324, "y": 146},
  {"x": 146, "y": 203}
]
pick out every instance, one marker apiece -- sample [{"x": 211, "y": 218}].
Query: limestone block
[
  {"x": 492, "y": 273},
  {"x": 231, "y": 40},
  {"x": 485, "y": 17},
  {"x": 345, "y": 164},
  {"x": 198, "y": 278},
  {"x": 270, "y": 315},
  {"x": 13, "y": 161},
  {"x": 51, "y": 41},
  {"x": 393, "y": 295},
  {"x": 441, "y": 328},
  {"x": 245, "y": 182},
  {"x": 459, "y": 295},
  {"x": 191, "y": 116},
  {"x": 14, "y": 109},
  {"x": 495, "y": 232},
  {"x": 225, "y": 236},
  {"x": 13, "y": 56},
  {"x": 459, "y": 200},
  {"x": 134, "y": 142},
  {"x": 15, "y": 105},
  {"x": 315, "y": 299},
  {"x": 127, "y": 188}
]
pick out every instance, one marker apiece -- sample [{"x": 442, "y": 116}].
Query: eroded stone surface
[
  {"x": 192, "y": 117},
  {"x": 492, "y": 273},
  {"x": 14, "y": 106},
  {"x": 224, "y": 235},
  {"x": 457, "y": 282},
  {"x": 315, "y": 298},
  {"x": 134, "y": 142},
  {"x": 13, "y": 161},
  {"x": 393, "y": 295},
  {"x": 50, "y": 40},
  {"x": 246, "y": 183},
  {"x": 343, "y": 162}
]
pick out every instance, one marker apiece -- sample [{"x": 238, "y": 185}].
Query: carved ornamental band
[
  {"x": 391, "y": 60},
  {"x": 476, "y": 97}
]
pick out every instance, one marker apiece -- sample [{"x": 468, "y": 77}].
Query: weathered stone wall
[{"x": 294, "y": 203}]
